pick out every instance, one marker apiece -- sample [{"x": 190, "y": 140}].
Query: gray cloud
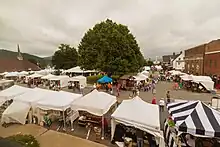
[{"x": 161, "y": 27}]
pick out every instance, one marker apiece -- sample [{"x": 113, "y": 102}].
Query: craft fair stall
[
  {"x": 192, "y": 122},
  {"x": 97, "y": 105},
  {"x": 59, "y": 103},
  {"x": 22, "y": 110},
  {"x": 59, "y": 82},
  {"x": 77, "y": 82},
  {"x": 125, "y": 114},
  {"x": 198, "y": 83},
  {"x": 105, "y": 83},
  {"x": 11, "y": 92},
  {"x": 127, "y": 82},
  {"x": 5, "y": 83},
  {"x": 11, "y": 76},
  {"x": 78, "y": 71},
  {"x": 33, "y": 79},
  {"x": 45, "y": 79}
]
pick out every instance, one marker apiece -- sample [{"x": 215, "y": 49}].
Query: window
[
  {"x": 210, "y": 63},
  {"x": 179, "y": 58}
]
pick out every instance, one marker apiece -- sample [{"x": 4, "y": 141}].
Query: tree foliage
[
  {"x": 110, "y": 47},
  {"x": 149, "y": 63},
  {"x": 66, "y": 57},
  {"x": 25, "y": 140}
]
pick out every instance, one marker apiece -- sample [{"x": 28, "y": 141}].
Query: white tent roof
[
  {"x": 58, "y": 101},
  {"x": 34, "y": 95},
  {"x": 97, "y": 103},
  {"x": 16, "y": 112},
  {"x": 12, "y": 74},
  {"x": 48, "y": 76},
  {"x": 129, "y": 112},
  {"x": 4, "y": 73},
  {"x": 77, "y": 69},
  {"x": 35, "y": 75},
  {"x": 13, "y": 91},
  {"x": 23, "y": 73},
  {"x": 57, "y": 78},
  {"x": 140, "y": 77}
]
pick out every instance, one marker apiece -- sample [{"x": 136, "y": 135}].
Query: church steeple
[{"x": 19, "y": 57}]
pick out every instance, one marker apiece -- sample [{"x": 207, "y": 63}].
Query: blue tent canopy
[{"x": 105, "y": 79}]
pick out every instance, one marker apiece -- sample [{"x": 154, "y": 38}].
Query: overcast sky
[{"x": 160, "y": 26}]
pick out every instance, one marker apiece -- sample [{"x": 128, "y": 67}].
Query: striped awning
[{"x": 196, "y": 118}]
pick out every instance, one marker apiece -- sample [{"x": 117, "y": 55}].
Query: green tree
[
  {"x": 149, "y": 63},
  {"x": 110, "y": 47},
  {"x": 66, "y": 57}
]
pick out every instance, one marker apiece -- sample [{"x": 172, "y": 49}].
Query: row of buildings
[{"x": 200, "y": 60}]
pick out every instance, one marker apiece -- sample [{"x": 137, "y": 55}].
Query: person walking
[
  {"x": 168, "y": 97},
  {"x": 140, "y": 138},
  {"x": 154, "y": 100}
]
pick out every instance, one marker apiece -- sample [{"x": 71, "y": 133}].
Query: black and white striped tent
[{"x": 196, "y": 118}]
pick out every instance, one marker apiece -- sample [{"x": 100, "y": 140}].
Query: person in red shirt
[{"x": 154, "y": 100}]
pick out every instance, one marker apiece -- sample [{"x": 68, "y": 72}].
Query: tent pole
[
  {"x": 64, "y": 121},
  {"x": 103, "y": 128}
]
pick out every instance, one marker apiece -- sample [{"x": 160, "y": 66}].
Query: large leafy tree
[
  {"x": 65, "y": 57},
  {"x": 110, "y": 47}
]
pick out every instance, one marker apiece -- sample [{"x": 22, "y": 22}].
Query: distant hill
[{"x": 32, "y": 58}]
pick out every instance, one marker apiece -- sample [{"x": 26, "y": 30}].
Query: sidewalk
[{"x": 48, "y": 138}]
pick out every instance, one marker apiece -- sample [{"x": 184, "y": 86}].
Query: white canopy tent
[
  {"x": 23, "y": 73},
  {"x": 11, "y": 92},
  {"x": 19, "y": 109},
  {"x": 4, "y": 73},
  {"x": 97, "y": 103},
  {"x": 47, "y": 77},
  {"x": 77, "y": 69},
  {"x": 35, "y": 75},
  {"x": 16, "y": 113},
  {"x": 58, "y": 101},
  {"x": 140, "y": 77},
  {"x": 11, "y": 74},
  {"x": 4, "y": 81},
  {"x": 81, "y": 79},
  {"x": 146, "y": 73},
  {"x": 63, "y": 79},
  {"x": 129, "y": 113}
]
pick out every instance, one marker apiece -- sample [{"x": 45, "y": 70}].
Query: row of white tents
[
  {"x": 97, "y": 103},
  {"x": 206, "y": 81}
]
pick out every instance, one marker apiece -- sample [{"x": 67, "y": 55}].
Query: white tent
[
  {"x": 11, "y": 74},
  {"x": 81, "y": 79},
  {"x": 23, "y": 103},
  {"x": 13, "y": 91},
  {"x": 139, "y": 114},
  {"x": 205, "y": 81},
  {"x": 77, "y": 69},
  {"x": 146, "y": 73},
  {"x": 16, "y": 112},
  {"x": 140, "y": 77},
  {"x": 33, "y": 95},
  {"x": 4, "y": 73},
  {"x": 35, "y": 75},
  {"x": 23, "y": 73},
  {"x": 49, "y": 76},
  {"x": 4, "y": 81},
  {"x": 63, "y": 80},
  {"x": 58, "y": 101},
  {"x": 97, "y": 103}
]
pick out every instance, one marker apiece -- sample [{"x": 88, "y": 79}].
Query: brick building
[
  {"x": 212, "y": 58},
  {"x": 194, "y": 60}
]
